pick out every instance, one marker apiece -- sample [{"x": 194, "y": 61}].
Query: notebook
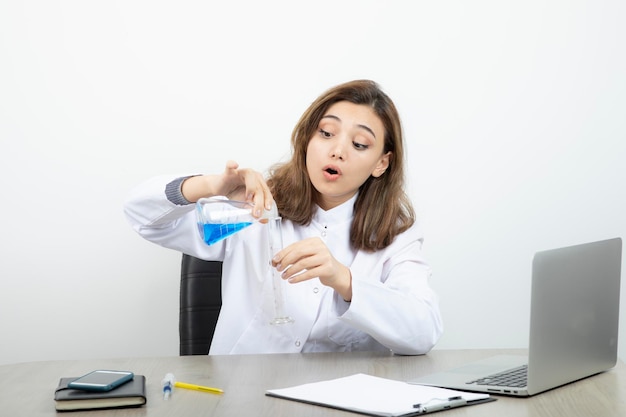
[
  {"x": 130, "y": 394},
  {"x": 573, "y": 325}
]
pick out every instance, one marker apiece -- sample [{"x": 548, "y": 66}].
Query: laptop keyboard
[{"x": 516, "y": 377}]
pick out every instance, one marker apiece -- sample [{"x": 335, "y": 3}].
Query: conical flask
[{"x": 219, "y": 217}]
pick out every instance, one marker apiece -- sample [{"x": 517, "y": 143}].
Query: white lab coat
[{"x": 392, "y": 307}]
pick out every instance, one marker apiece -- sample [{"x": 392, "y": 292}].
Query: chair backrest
[{"x": 200, "y": 304}]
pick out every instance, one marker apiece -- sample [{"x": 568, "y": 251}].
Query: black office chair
[{"x": 200, "y": 304}]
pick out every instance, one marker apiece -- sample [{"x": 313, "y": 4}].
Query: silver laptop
[{"x": 573, "y": 326}]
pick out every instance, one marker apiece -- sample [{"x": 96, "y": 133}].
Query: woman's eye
[
  {"x": 358, "y": 145},
  {"x": 325, "y": 134}
]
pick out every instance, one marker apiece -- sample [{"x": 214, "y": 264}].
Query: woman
[{"x": 356, "y": 279}]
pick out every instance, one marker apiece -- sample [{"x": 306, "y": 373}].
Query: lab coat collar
[{"x": 343, "y": 212}]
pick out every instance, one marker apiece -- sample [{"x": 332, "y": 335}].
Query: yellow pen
[{"x": 198, "y": 387}]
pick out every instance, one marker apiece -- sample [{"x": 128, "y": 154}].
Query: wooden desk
[{"x": 26, "y": 389}]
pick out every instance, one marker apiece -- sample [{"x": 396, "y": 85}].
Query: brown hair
[{"x": 382, "y": 209}]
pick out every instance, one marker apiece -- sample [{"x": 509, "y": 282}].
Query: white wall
[{"x": 513, "y": 111}]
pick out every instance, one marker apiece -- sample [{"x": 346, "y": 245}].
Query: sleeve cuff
[{"x": 173, "y": 191}]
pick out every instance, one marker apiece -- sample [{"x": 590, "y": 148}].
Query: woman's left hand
[{"x": 310, "y": 258}]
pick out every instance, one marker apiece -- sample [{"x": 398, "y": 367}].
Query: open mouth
[{"x": 332, "y": 173}]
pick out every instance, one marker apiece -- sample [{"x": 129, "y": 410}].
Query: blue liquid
[{"x": 216, "y": 232}]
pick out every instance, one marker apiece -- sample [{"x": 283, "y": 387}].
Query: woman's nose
[{"x": 337, "y": 152}]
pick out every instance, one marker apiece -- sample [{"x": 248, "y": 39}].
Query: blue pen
[{"x": 168, "y": 383}]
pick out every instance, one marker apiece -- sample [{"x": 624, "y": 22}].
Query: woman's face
[{"x": 344, "y": 151}]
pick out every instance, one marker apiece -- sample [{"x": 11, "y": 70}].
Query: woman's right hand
[{"x": 242, "y": 184}]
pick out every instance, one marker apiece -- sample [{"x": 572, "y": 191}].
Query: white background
[{"x": 514, "y": 115}]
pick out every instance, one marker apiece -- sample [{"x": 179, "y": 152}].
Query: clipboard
[{"x": 375, "y": 396}]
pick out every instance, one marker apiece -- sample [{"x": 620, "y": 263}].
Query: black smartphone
[{"x": 101, "y": 380}]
